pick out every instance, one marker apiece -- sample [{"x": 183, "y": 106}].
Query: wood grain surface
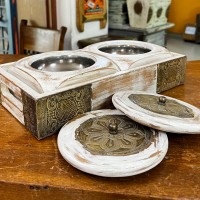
[{"x": 32, "y": 169}]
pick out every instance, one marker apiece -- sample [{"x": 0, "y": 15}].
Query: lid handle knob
[
  {"x": 162, "y": 100},
  {"x": 113, "y": 128}
]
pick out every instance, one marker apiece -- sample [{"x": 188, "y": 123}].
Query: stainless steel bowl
[
  {"x": 62, "y": 63},
  {"x": 124, "y": 49}
]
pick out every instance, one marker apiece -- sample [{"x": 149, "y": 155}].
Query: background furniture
[
  {"x": 156, "y": 35},
  {"x": 198, "y": 28},
  {"x": 42, "y": 13},
  {"x": 88, "y": 41},
  {"x": 35, "y": 169},
  {"x": 8, "y": 27},
  {"x": 36, "y": 40}
]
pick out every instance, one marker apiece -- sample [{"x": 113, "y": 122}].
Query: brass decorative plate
[
  {"x": 108, "y": 143},
  {"x": 159, "y": 112}
]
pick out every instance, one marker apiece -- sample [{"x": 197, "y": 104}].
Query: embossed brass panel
[
  {"x": 161, "y": 105},
  {"x": 46, "y": 115},
  {"x": 113, "y": 135},
  {"x": 170, "y": 74}
]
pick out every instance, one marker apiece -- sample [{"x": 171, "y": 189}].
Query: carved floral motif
[{"x": 113, "y": 135}]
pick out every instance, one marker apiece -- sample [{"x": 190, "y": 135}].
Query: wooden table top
[{"x": 32, "y": 169}]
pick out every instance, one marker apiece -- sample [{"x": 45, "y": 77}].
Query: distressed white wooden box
[
  {"x": 147, "y": 14},
  {"x": 45, "y": 100}
]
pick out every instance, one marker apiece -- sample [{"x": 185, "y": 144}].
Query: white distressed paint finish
[
  {"x": 42, "y": 83},
  {"x": 11, "y": 103},
  {"x": 154, "y": 120},
  {"x": 110, "y": 73},
  {"x": 142, "y": 79},
  {"x": 108, "y": 166},
  {"x": 50, "y": 81},
  {"x": 156, "y": 54}
]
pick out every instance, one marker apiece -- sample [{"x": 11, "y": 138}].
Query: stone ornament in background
[
  {"x": 118, "y": 12},
  {"x": 147, "y": 13}
]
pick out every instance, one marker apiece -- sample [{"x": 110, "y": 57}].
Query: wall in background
[
  {"x": 64, "y": 19},
  {"x": 183, "y": 12}
]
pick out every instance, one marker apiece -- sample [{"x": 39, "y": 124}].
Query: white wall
[
  {"x": 66, "y": 16},
  {"x": 64, "y": 19}
]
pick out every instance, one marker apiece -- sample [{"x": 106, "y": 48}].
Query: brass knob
[
  {"x": 162, "y": 100},
  {"x": 113, "y": 128}
]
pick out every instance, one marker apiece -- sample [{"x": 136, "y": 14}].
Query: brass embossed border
[
  {"x": 46, "y": 115},
  {"x": 171, "y": 74}
]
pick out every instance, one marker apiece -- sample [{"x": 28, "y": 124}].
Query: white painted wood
[
  {"x": 61, "y": 79},
  {"x": 11, "y": 103},
  {"x": 109, "y": 74},
  {"x": 129, "y": 80},
  {"x": 154, "y": 120},
  {"x": 107, "y": 66},
  {"x": 46, "y": 83},
  {"x": 108, "y": 166},
  {"x": 156, "y": 54}
]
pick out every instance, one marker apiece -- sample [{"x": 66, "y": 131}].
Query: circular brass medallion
[
  {"x": 113, "y": 135},
  {"x": 162, "y": 105}
]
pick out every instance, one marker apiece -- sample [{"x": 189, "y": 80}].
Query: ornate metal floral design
[
  {"x": 113, "y": 135},
  {"x": 46, "y": 115},
  {"x": 161, "y": 105}
]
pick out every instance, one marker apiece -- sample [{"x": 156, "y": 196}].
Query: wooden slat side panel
[
  {"x": 11, "y": 85},
  {"x": 10, "y": 98}
]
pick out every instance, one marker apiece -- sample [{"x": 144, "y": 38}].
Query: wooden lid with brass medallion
[
  {"x": 158, "y": 111},
  {"x": 108, "y": 143}
]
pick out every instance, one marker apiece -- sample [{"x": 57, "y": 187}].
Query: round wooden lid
[
  {"x": 107, "y": 143},
  {"x": 158, "y": 111}
]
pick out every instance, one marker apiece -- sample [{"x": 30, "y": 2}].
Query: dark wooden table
[{"x": 32, "y": 169}]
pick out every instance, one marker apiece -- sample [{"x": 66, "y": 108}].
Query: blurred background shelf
[{"x": 8, "y": 27}]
